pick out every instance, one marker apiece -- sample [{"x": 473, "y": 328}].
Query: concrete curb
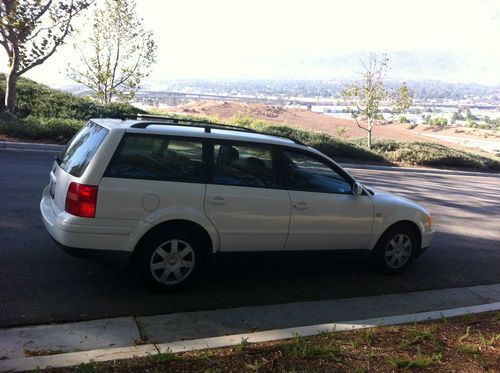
[{"x": 76, "y": 358}]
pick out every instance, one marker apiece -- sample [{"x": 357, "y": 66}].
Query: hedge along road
[{"x": 41, "y": 284}]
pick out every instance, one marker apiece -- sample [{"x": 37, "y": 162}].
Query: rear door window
[
  {"x": 249, "y": 165},
  {"x": 152, "y": 157},
  {"x": 82, "y": 149}
]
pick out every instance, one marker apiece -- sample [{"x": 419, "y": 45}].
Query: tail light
[{"x": 81, "y": 200}]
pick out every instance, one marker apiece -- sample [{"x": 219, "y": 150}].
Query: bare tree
[
  {"x": 118, "y": 53},
  {"x": 30, "y": 32}
]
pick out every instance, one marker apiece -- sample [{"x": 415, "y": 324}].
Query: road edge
[{"x": 31, "y": 146}]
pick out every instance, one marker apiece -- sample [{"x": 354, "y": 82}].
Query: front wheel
[
  {"x": 395, "y": 250},
  {"x": 169, "y": 261}
]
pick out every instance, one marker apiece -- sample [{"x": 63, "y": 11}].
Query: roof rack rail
[
  {"x": 207, "y": 125},
  {"x": 150, "y": 120}
]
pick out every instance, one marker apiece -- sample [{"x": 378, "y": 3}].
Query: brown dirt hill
[{"x": 305, "y": 119}]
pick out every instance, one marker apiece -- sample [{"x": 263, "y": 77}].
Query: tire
[
  {"x": 395, "y": 250},
  {"x": 169, "y": 260}
]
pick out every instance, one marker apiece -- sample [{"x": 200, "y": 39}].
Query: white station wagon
[{"x": 171, "y": 194}]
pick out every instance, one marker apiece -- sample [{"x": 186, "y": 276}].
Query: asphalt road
[{"x": 40, "y": 284}]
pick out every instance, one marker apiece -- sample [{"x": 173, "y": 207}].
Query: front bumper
[{"x": 426, "y": 242}]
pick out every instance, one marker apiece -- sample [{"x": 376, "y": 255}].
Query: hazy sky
[{"x": 256, "y": 38}]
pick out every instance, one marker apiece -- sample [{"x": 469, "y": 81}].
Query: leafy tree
[
  {"x": 30, "y": 32},
  {"x": 118, "y": 53},
  {"x": 404, "y": 99},
  {"x": 364, "y": 97},
  {"x": 469, "y": 116}
]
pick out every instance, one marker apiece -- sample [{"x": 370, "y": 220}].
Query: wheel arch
[
  {"x": 179, "y": 224},
  {"x": 403, "y": 223}
]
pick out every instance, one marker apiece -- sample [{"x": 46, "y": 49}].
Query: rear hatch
[{"x": 70, "y": 165}]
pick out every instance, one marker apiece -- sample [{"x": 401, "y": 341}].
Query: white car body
[{"x": 236, "y": 218}]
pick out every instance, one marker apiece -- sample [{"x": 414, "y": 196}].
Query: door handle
[
  {"x": 300, "y": 205},
  {"x": 218, "y": 201}
]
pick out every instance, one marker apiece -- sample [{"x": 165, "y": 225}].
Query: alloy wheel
[{"x": 172, "y": 262}]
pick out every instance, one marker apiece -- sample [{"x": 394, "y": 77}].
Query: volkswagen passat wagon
[{"x": 170, "y": 194}]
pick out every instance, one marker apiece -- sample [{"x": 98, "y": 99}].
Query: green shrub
[
  {"x": 438, "y": 121},
  {"x": 484, "y": 126},
  {"x": 58, "y": 130},
  {"x": 471, "y": 123},
  {"x": 430, "y": 154},
  {"x": 403, "y": 119},
  {"x": 341, "y": 131},
  {"x": 34, "y": 99}
]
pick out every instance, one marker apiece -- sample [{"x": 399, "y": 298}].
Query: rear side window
[
  {"x": 153, "y": 157},
  {"x": 244, "y": 165},
  {"x": 82, "y": 148}
]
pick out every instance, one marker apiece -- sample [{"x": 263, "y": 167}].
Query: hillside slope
[
  {"x": 347, "y": 128},
  {"x": 39, "y": 100}
]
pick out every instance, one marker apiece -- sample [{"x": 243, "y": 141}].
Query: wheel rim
[
  {"x": 172, "y": 262},
  {"x": 398, "y": 251}
]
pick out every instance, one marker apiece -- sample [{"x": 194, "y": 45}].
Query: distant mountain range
[{"x": 449, "y": 66}]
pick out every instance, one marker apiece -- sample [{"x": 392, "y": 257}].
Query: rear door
[
  {"x": 154, "y": 177},
  {"x": 245, "y": 199},
  {"x": 325, "y": 215}
]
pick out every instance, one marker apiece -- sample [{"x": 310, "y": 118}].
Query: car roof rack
[
  {"x": 165, "y": 120},
  {"x": 149, "y": 120}
]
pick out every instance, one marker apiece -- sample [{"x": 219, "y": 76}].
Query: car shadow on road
[{"x": 77, "y": 289}]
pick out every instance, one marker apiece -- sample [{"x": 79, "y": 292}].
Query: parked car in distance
[{"x": 170, "y": 194}]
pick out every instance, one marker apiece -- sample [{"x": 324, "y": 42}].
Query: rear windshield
[{"x": 82, "y": 148}]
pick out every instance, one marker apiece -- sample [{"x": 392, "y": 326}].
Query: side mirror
[{"x": 357, "y": 189}]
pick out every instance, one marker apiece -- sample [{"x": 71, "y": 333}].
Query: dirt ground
[{"x": 300, "y": 118}]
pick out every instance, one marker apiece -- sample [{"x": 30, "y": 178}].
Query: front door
[{"x": 325, "y": 215}]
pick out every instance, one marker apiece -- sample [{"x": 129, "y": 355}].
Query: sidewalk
[{"x": 125, "y": 337}]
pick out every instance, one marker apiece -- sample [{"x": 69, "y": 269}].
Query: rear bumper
[
  {"x": 86, "y": 238},
  {"x": 115, "y": 257}
]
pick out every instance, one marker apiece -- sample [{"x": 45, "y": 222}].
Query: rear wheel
[
  {"x": 395, "y": 250},
  {"x": 169, "y": 260}
]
